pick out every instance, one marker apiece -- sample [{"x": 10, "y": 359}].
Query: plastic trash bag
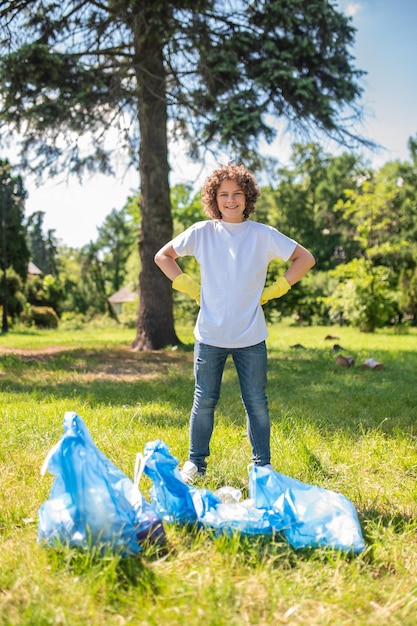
[
  {"x": 308, "y": 516},
  {"x": 91, "y": 501},
  {"x": 312, "y": 516},
  {"x": 170, "y": 495},
  {"x": 233, "y": 516},
  {"x": 175, "y": 501}
]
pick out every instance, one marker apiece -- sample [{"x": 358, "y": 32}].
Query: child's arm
[
  {"x": 166, "y": 261},
  {"x": 301, "y": 261}
]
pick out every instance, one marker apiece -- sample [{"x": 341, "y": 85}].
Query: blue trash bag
[
  {"x": 312, "y": 516},
  {"x": 175, "y": 501},
  {"x": 91, "y": 501},
  {"x": 308, "y": 516},
  {"x": 170, "y": 495}
]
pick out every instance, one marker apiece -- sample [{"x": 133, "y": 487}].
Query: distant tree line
[
  {"x": 360, "y": 222},
  {"x": 69, "y": 282}
]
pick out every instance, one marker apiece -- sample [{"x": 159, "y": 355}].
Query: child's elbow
[{"x": 158, "y": 258}]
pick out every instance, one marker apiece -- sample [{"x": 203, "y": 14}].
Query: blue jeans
[{"x": 251, "y": 367}]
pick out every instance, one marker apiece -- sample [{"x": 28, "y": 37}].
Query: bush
[
  {"x": 43, "y": 317},
  {"x": 15, "y": 298},
  {"x": 363, "y": 296},
  {"x": 46, "y": 292}
]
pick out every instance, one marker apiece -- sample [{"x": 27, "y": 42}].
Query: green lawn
[{"x": 348, "y": 430}]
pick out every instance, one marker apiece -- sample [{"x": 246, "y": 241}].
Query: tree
[
  {"x": 43, "y": 250},
  {"x": 12, "y": 230},
  {"x": 15, "y": 297},
  {"x": 115, "y": 240},
  {"x": 45, "y": 292},
  {"x": 81, "y": 297},
  {"x": 366, "y": 293},
  {"x": 93, "y": 280},
  {"x": 186, "y": 207},
  {"x": 214, "y": 73},
  {"x": 363, "y": 296},
  {"x": 306, "y": 200}
]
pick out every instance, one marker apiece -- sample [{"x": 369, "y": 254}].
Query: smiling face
[{"x": 231, "y": 201}]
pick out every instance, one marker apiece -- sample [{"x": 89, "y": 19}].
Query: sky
[{"x": 385, "y": 47}]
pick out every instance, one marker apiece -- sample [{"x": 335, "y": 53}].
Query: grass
[{"x": 351, "y": 431}]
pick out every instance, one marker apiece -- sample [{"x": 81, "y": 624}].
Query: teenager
[{"x": 233, "y": 253}]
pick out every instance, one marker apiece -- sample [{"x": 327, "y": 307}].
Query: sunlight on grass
[{"x": 349, "y": 430}]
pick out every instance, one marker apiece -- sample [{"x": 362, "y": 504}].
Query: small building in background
[
  {"x": 33, "y": 270},
  {"x": 121, "y": 297}
]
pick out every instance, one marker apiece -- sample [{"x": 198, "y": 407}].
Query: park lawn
[{"x": 349, "y": 430}]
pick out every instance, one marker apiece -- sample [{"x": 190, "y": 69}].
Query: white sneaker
[{"x": 189, "y": 472}]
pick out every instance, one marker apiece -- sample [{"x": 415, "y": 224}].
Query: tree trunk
[{"x": 155, "y": 324}]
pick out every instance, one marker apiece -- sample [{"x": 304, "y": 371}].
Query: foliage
[
  {"x": 93, "y": 281},
  {"x": 41, "y": 317},
  {"x": 43, "y": 250},
  {"x": 133, "y": 264},
  {"x": 78, "y": 293},
  {"x": 47, "y": 291},
  {"x": 219, "y": 73},
  {"x": 14, "y": 251},
  {"x": 360, "y": 224},
  {"x": 14, "y": 292},
  {"x": 115, "y": 241},
  {"x": 128, "y": 316},
  {"x": 186, "y": 207},
  {"x": 306, "y": 202},
  {"x": 350, "y": 431},
  {"x": 359, "y": 221},
  {"x": 370, "y": 208},
  {"x": 217, "y": 86},
  {"x": 407, "y": 299},
  {"x": 363, "y": 296}
]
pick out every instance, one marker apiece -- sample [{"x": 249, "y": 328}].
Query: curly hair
[{"x": 245, "y": 180}]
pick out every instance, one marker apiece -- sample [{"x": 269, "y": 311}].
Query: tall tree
[
  {"x": 43, "y": 249},
  {"x": 115, "y": 240},
  {"x": 215, "y": 73},
  {"x": 93, "y": 280},
  {"x": 12, "y": 230},
  {"x": 305, "y": 202}
]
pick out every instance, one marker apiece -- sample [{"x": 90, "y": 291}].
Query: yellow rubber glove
[
  {"x": 276, "y": 290},
  {"x": 186, "y": 284}
]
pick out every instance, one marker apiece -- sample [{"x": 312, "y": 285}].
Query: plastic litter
[
  {"x": 372, "y": 364},
  {"x": 307, "y": 515},
  {"x": 313, "y": 516},
  {"x": 177, "y": 502},
  {"x": 92, "y": 502}
]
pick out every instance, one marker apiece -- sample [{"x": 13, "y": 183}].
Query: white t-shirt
[{"x": 233, "y": 261}]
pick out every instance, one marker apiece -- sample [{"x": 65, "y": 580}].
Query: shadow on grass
[
  {"x": 398, "y": 523},
  {"x": 117, "y": 377},
  {"x": 116, "y": 572},
  {"x": 302, "y": 384},
  {"x": 310, "y": 385}
]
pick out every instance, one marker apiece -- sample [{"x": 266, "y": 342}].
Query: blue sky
[{"x": 386, "y": 48}]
